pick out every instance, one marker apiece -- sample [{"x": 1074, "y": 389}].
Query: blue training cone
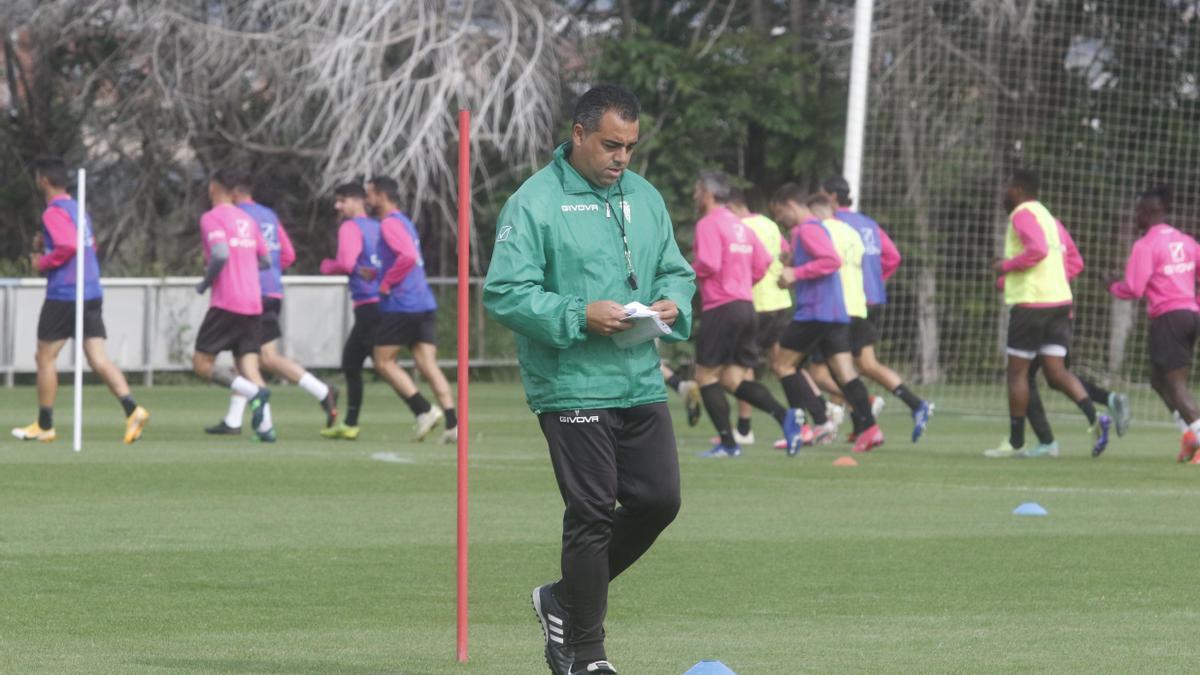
[
  {"x": 710, "y": 668},
  {"x": 1030, "y": 509}
]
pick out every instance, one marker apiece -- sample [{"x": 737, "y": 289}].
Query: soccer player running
[
  {"x": 1038, "y": 292},
  {"x": 234, "y": 252},
  {"x": 358, "y": 258},
  {"x": 1163, "y": 269},
  {"x": 772, "y": 304},
  {"x": 59, "y": 262},
  {"x": 728, "y": 260},
  {"x": 881, "y": 258},
  {"x": 828, "y": 278},
  {"x": 580, "y": 239},
  {"x": 407, "y": 314},
  {"x": 271, "y": 283}
]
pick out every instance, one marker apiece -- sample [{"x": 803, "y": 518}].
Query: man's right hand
[{"x": 605, "y": 317}]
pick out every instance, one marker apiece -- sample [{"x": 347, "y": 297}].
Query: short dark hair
[
  {"x": 736, "y": 196},
  {"x": 790, "y": 192},
  {"x": 1163, "y": 193},
  {"x": 227, "y": 178},
  {"x": 1026, "y": 180},
  {"x": 242, "y": 180},
  {"x": 600, "y": 99},
  {"x": 353, "y": 190},
  {"x": 838, "y": 187},
  {"x": 817, "y": 200},
  {"x": 53, "y": 169},
  {"x": 388, "y": 186}
]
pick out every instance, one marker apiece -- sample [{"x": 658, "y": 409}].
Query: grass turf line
[{"x": 188, "y": 553}]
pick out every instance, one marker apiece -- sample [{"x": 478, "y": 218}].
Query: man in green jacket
[{"x": 579, "y": 240}]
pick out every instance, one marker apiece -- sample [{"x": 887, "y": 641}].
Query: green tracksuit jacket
[{"x": 558, "y": 248}]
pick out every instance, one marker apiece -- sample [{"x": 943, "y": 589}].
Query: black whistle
[{"x": 633, "y": 281}]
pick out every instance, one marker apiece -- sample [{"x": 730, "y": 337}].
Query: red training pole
[{"x": 464, "y": 314}]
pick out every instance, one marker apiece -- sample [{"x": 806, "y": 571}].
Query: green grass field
[{"x": 185, "y": 553}]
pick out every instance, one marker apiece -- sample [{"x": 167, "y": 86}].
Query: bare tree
[{"x": 361, "y": 87}]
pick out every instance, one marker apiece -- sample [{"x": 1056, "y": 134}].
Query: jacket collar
[{"x": 575, "y": 184}]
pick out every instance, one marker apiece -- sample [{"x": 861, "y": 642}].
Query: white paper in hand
[{"x": 646, "y": 326}]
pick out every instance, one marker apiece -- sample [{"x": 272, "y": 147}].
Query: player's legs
[
  {"x": 135, "y": 415},
  {"x": 1176, "y": 383},
  {"x": 1035, "y": 411},
  {"x": 868, "y": 364},
  {"x": 799, "y": 390},
  {"x": 97, "y": 358},
  {"x": 47, "y": 371},
  {"x": 46, "y": 357},
  {"x": 204, "y": 365},
  {"x": 1017, "y": 372},
  {"x": 274, "y": 362},
  {"x": 1058, "y": 377},
  {"x": 820, "y": 375},
  {"x": 385, "y": 357},
  {"x": 425, "y": 359},
  {"x": 841, "y": 366}
]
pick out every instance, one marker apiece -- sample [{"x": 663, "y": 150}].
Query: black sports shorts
[
  {"x": 727, "y": 336},
  {"x": 57, "y": 320},
  {"x": 405, "y": 329},
  {"x": 1173, "y": 339},
  {"x": 222, "y": 330},
  {"x": 808, "y": 337}
]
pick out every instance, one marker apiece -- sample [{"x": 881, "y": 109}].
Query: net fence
[{"x": 1099, "y": 97}]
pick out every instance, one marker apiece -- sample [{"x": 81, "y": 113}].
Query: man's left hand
[
  {"x": 998, "y": 266},
  {"x": 667, "y": 310}
]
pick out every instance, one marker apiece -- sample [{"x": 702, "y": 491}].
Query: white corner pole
[
  {"x": 856, "y": 109},
  {"x": 80, "y": 243}
]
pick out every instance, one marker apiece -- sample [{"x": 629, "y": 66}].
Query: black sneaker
[
  {"x": 329, "y": 405},
  {"x": 554, "y": 619},
  {"x": 222, "y": 429},
  {"x": 256, "y": 406},
  {"x": 597, "y": 667}
]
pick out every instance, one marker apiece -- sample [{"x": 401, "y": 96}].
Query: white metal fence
[{"x": 152, "y": 323}]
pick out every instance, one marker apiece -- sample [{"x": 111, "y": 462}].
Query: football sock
[
  {"x": 1088, "y": 408},
  {"x": 128, "y": 404},
  {"x": 860, "y": 424},
  {"x": 743, "y": 425},
  {"x": 860, "y": 400},
  {"x": 241, "y": 385},
  {"x": 1016, "y": 432},
  {"x": 45, "y": 418},
  {"x": 717, "y": 407},
  {"x": 418, "y": 404},
  {"x": 910, "y": 399},
  {"x": 237, "y": 407},
  {"x": 312, "y": 385},
  {"x": 1095, "y": 392},
  {"x": 266, "y": 419},
  {"x": 451, "y": 418},
  {"x": 800, "y": 395},
  {"x": 354, "y": 395},
  {"x": 760, "y": 397}
]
